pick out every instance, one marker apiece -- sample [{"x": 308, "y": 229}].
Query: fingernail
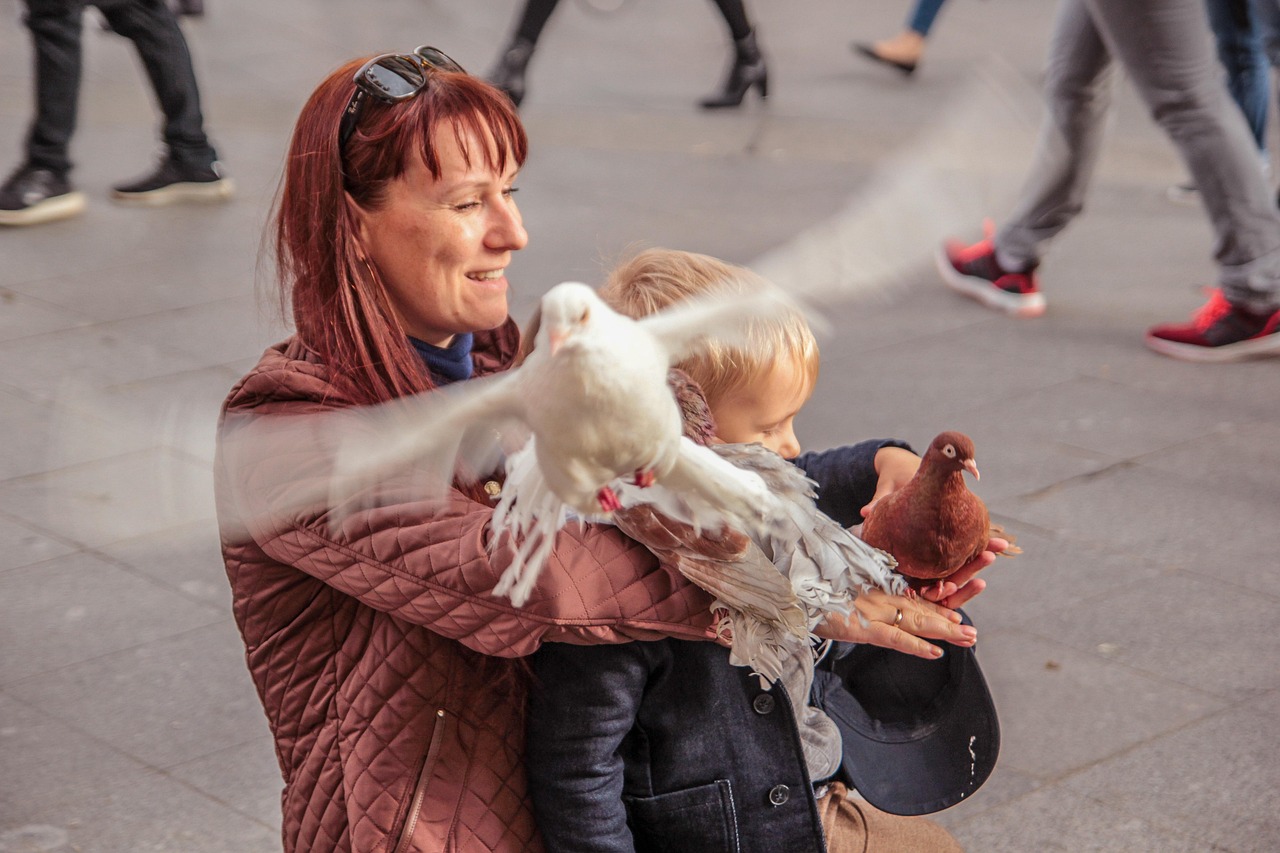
[{"x": 969, "y": 632}]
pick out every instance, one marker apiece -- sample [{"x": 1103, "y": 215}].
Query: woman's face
[{"x": 442, "y": 246}]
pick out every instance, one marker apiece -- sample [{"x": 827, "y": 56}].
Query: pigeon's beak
[
  {"x": 972, "y": 467},
  {"x": 556, "y": 339}
]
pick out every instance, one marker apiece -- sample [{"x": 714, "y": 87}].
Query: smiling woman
[{"x": 380, "y": 653}]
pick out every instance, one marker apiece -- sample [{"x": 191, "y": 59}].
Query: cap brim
[{"x": 923, "y": 736}]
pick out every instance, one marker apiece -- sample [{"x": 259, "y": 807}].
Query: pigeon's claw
[
  {"x": 608, "y": 500},
  {"x": 645, "y": 478}
]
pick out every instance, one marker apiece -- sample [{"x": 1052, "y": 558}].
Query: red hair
[{"x": 341, "y": 309}]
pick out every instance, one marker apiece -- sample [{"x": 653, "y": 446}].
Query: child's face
[{"x": 764, "y": 410}]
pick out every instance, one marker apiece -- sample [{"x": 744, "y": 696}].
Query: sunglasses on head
[{"x": 391, "y": 78}]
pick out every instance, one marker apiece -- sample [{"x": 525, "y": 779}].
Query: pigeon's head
[
  {"x": 568, "y": 309},
  {"x": 953, "y": 451}
]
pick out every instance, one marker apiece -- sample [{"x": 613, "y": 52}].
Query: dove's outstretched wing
[
  {"x": 429, "y": 434},
  {"x": 724, "y": 316}
]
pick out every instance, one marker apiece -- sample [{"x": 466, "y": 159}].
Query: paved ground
[{"x": 1132, "y": 649}]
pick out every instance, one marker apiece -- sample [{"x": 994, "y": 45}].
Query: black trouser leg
[
  {"x": 55, "y": 32},
  {"x": 153, "y": 28},
  {"x": 534, "y": 18}
]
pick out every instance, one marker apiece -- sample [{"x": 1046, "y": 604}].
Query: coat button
[
  {"x": 492, "y": 488},
  {"x": 779, "y": 794},
  {"x": 763, "y": 704}
]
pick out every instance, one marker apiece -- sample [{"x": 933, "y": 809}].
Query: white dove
[{"x": 594, "y": 396}]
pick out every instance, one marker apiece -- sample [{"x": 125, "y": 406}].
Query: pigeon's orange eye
[
  {"x": 586, "y": 315},
  {"x": 949, "y": 451}
]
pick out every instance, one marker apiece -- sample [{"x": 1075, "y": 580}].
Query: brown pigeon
[{"x": 934, "y": 525}]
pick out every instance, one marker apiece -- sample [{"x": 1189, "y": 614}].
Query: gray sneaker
[
  {"x": 174, "y": 182},
  {"x": 33, "y": 195}
]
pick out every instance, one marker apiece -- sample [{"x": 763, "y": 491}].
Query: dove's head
[
  {"x": 954, "y": 451},
  {"x": 568, "y": 310}
]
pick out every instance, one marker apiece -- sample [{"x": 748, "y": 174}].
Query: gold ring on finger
[{"x": 897, "y": 619}]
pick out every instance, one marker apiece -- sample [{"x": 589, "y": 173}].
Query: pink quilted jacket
[{"x": 370, "y": 646}]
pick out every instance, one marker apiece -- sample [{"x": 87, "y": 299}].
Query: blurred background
[{"x": 1132, "y": 649}]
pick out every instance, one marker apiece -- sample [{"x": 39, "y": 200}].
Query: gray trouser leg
[
  {"x": 1078, "y": 83},
  {"x": 1163, "y": 45}
]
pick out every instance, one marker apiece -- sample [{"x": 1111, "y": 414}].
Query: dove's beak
[
  {"x": 555, "y": 340},
  {"x": 972, "y": 467}
]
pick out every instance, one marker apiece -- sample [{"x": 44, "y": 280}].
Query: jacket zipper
[{"x": 420, "y": 790}]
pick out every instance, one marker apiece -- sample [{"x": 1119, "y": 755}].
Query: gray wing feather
[
  {"x": 815, "y": 548},
  {"x": 424, "y": 436}
]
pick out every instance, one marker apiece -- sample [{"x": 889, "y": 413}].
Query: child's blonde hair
[{"x": 654, "y": 279}]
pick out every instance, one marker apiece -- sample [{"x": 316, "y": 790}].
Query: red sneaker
[
  {"x": 1219, "y": 331},
  {"x": 973, "y": 271}
]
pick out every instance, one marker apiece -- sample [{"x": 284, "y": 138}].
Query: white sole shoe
[
  {"x": 1268, "y": 345},
  {"x": 1016, "y": 304},
  {"x": 206, "y": 191},
  {"x": 51, "y": 209}
]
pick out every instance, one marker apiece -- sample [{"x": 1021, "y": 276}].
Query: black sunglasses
[{"x": 392, "y": 78}]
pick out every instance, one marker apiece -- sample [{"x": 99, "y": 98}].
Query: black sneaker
[
  {"x": 173, "y": 182},
  {"x": 33, "y": 195}
]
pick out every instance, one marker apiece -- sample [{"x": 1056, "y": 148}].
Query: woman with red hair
[{"x": 383, "y": 660}]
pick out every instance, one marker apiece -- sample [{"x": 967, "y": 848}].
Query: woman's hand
[
  {"x": 898, "y": 622},
  {"x": 962, "y": 586}
]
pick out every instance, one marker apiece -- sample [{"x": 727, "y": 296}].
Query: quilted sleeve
[{"x": 428, "y": 562}]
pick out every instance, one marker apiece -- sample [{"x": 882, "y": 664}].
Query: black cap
[{"x": 918, "y": 735}]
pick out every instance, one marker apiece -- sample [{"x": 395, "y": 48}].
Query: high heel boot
[
  {"x": 508, "y": 74},
  {"x": 748, "y": 70}
]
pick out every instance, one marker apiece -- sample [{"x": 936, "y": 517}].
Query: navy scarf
[{"x": 446, "y": 364}]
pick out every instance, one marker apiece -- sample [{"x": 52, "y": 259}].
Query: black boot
[
  {"x": 508, "y": 74},
  {"x": 748, "y": 70}
]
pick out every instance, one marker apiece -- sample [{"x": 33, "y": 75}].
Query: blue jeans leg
[
  {"x": 1239, "y": 41},
  {"x": 1266, "y": 14},
  {"x": 923, "y": 14}
]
